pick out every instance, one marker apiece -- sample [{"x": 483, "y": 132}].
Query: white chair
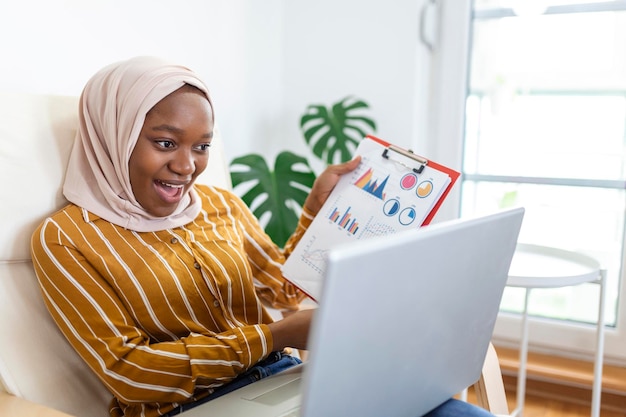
[
  {"x": 40, "y": 374},
  {"x": 36, "y": 362},
  {"x": 489, "y": 388}
]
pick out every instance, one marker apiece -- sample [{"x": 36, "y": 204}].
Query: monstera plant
[
  {"x": 276, "y": 195},
  {"x": 333, "y": 133},
  {"x": 273, "y": 192}
]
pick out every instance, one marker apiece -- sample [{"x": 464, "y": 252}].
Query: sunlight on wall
[
  {"x": 264, "y": 62},
  {"x": 54, "y": 46}
]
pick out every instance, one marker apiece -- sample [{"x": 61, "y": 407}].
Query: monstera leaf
[
  {"x": 271, "y": 194},
  {"x": 276, "y": 197},
  {"x": 333, "y": 133}
]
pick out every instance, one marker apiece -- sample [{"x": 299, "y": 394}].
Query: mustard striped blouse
[{"x": 164, "y": 317}]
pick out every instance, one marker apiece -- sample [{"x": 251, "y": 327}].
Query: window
[{"x": 545, "y": 128}]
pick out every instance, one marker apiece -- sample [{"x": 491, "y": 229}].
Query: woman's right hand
[
  {"x": 325, "y": 183},
  {"x": 292, "y": 331}
]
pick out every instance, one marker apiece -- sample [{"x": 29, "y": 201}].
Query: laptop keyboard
[{"x": 292, "y": 413}]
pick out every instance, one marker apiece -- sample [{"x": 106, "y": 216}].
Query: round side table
[{"x": 535, "y": 266}]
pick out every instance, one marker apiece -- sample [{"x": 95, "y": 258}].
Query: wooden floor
[
  {"x": 555, "y": 386},
  {"x": 536, "y": 406},
  {"x": 541, "y": 407}
]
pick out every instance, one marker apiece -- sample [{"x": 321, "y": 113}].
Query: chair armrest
[
  {"x": 11, "y": 405},
  {"x": 489, "y": 388}
]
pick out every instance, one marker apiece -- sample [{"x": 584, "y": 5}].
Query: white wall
[
  {"x": 264, "y": 61},
  {"x": 54, "y": 46},
  {"x": 368, "y": 49},
  {"x": 372, "y": 49}
]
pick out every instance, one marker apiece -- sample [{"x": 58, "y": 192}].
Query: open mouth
[{"x": 170, "y": 193}]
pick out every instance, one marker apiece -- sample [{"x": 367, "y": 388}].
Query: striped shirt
[{"x": 164, "y": 317}]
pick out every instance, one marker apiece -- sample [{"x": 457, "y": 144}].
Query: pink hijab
[{"x": 112, "y": 111}]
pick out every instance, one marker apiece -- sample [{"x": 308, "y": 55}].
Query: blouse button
[
  {"x": 196, "y": 265},
  {"x": 174, "y": 240},
  {"x": 216, "y": 303}
]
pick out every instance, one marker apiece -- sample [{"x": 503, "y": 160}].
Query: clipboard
[
  {"x": 392, "y": 189},
  {"x": 454, "y": 175}
]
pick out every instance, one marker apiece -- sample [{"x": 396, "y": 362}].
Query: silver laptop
[{"x": 404, "y": 323}]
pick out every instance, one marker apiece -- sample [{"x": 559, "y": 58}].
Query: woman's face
[{"x": 171, "y": 151}]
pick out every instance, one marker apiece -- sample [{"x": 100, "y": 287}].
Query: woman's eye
[
  {"x": 165, "y": 143},
  {"x": 204, "y": 147}
]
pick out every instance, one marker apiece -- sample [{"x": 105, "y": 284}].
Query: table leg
[
  {"x": 523, "y": 358},
  {"x": 597, "y": 370}
]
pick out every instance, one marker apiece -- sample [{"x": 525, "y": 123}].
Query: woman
[{"x": 159, "y": 283}]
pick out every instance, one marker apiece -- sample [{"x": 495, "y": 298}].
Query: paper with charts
[{"x": 384, "y": 195}]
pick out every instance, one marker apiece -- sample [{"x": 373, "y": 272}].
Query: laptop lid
[
  {"x": 405, "y": 320},
  {"x": 403, "y": 324}
]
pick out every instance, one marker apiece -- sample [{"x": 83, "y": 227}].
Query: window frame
[{"x": 450, "y": 61}]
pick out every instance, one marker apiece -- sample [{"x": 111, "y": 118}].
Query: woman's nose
[{"x": 182, "y": 163}]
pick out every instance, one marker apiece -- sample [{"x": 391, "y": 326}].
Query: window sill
[{"x": 566, "y": 379}]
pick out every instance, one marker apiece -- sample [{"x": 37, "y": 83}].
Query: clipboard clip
[{"x": 409, "y": 154}]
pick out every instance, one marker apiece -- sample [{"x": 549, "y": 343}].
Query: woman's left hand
[{"x": 325, "y": 183}]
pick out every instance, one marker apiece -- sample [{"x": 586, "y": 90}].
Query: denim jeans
[
  {"x": 458, "y": 408},
  {"x": 274, "y": 363},
  {"x": 277, "y": 362}
]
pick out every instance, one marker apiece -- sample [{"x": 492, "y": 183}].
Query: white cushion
[
  {"x": 36, "y": 362},
  {"x": 36, "y": 133}
]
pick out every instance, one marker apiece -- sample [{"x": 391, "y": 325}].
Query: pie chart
[
  {"x": 391, "y": 207},
  {"x": 408, "y": 181},
  {"x": 407, "y": 216},
  {"x": 424, "y": 189}
]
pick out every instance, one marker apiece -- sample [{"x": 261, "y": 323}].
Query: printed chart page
[{"x": 383, "y": 195}]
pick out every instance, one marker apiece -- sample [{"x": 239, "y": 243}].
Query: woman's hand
[
  {"x": 325, "y": 183},
  {"x": 292, "y": 331}
]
